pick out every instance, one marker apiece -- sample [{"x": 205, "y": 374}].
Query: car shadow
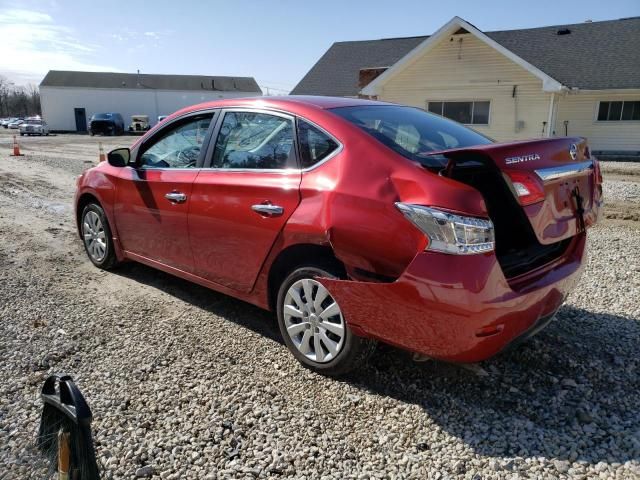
[
  {"x": 237, "y": 311},
  {"x": 570, "y": 393}
]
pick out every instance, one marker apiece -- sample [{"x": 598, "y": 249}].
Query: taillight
[
  {"x": 450, "y": 233},
  {"x": 527, "y": 187}
]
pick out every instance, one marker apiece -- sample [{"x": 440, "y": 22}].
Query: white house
[
  {"x": 69, "y": 99},
  {"x": 580, "y": 79}
]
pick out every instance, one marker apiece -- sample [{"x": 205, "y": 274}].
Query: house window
[
  {"x": 617, "y": 111},
  {"x": 469, "y": 113}
]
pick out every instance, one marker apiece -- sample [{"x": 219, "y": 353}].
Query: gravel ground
[
  {"x": 622, "y": 191},
  {"x": 187, "y": 383},
  {"x": 629, "y": 168}
]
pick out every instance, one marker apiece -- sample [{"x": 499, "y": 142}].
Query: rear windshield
[{"x": 411, "y": 132}]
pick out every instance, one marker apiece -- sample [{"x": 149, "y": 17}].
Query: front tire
[
  {"x": 97, "y": 238},
  {"x": 313, "y": 326}
]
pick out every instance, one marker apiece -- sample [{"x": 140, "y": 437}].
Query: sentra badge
[{"x": 522, "y": 158}]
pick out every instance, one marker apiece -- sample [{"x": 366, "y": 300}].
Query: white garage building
[{"x": 69, "y": 99}]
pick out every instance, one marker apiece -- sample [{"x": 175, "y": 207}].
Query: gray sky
[{"x": 274, "y": 41}]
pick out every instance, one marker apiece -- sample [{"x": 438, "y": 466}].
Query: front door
[
  {"x": 154, "y": 197},
  {"x": 81, "y": 119},
  {"x": 240, "y": 204}
]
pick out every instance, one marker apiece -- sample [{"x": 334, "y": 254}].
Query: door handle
[
  {"x": 176, "y": 197},
  {"x": 268, "y": 210}
]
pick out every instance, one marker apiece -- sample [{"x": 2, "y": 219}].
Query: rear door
[
  {"x": 243, "y": 200},
  {"x": 153, "y": 198}
]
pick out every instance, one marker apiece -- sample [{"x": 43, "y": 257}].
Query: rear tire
[
  {"x": 97, "y": 238},
  {"x": 318, "y": 336}
]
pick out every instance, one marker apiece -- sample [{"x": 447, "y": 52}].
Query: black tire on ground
[
  {"x": 110, "y": 260},
  {"x": 355, "y": 351},
  {"x": 22, "y": 134}
]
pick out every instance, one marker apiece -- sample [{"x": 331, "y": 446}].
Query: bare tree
[
  {"x": 34, "y": 99},
  {"x": 17, "y": 101},
  {"x": 4, "y": 95}
]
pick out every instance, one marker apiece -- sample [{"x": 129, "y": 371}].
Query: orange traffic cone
[
  {"x": 101, "y": 157},
  {"x": 16, "y": 148}
]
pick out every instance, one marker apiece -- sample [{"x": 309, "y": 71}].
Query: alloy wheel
[
  {"x": 314, "y": 321},
  {"x": 94, "y": 236}
]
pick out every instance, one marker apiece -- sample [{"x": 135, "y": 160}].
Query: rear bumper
[{"x": 458, "y": 308}]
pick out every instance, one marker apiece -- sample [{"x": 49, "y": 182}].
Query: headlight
[{"x": 449, "y": 233}]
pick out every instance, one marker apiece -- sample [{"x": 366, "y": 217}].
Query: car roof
[{"x": 289, "y": 102}]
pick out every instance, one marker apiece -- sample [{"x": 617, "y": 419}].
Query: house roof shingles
[
  {"x": 58, "y": 78},
  {"x": 594, "y": 56},
  {"x": 336, "y": 73}
]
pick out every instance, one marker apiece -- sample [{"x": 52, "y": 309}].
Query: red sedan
[{"x": 355, "y": 221}]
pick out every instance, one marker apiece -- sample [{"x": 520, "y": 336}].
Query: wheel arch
[
  {"x": 87, "y": 197},
  {"x": 294, "y": 256},
  {"x": 83, "y": 200}
]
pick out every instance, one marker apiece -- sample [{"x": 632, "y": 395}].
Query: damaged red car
[{"x": 355, "y": 221}]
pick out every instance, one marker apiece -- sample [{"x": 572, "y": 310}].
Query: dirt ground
[{"x": 167, "y": 365}]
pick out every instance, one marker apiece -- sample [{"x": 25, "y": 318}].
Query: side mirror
[{"x": 119, "y": 157}]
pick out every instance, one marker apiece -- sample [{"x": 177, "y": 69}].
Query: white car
[
  {"x": 34, "y": 127},
  {"x": 5, "y": 122},
  {"x": 15, "y": 124}
]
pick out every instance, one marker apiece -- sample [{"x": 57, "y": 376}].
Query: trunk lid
[{"x": 555, "y": 181}]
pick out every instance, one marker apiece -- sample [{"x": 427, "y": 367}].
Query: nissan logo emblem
[{"x": 573, "y": 151}]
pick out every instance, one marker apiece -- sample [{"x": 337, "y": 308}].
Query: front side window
[
  {"x": 469, "y": 113},
  {"x": 179, "y": 147},
  {"x": 619, "y": 111},
  {"x": 315, "y": 145},
  {"x": 254, "y": 140},
  {"x": 411, "y": 132}
]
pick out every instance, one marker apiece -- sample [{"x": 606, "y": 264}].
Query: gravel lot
[{"x": 187, "y": 383}]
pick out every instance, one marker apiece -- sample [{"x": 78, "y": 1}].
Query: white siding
[
  {"x": 462, "y": 67},
  {"x": 58, "y": 103},
  {"x": 581, "y": 112}
]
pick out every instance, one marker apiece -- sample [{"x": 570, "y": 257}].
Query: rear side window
[
  {"x": 315, "y": 145},
  {"x": 254, "y": 140},
  {"x": 411, "y": 132}
]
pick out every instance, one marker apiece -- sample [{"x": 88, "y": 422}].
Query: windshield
[
  {"x": 34, "y": 122},
  {"x": 102, "y": 116},
  {"x": 412, "y": 132}
]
